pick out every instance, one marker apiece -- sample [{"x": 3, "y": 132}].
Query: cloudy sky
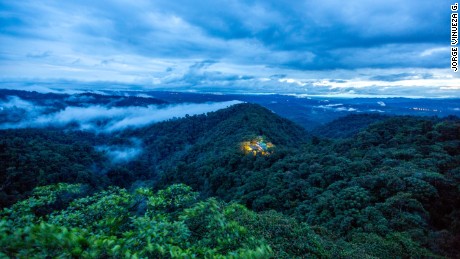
[{"x": 315, "y": 47}]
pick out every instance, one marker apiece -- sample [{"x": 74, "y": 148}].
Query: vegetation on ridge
[{"x": 389, "y": 190}]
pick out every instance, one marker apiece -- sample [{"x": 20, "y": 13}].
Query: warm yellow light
[{"x": 257, "y": 146}]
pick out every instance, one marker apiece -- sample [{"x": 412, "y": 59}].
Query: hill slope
[
  {"x": 347, "y": 126},
  {"x": 190, "y": 149},
  {"x": 42, "y": 156}
]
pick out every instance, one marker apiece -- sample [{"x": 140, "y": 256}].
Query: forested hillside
[
  {"x": 347, "y": 126},
  {"x": 374, "y": 187},
  {"x": 43, "y": 156}
]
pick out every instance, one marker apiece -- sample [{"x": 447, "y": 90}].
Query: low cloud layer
[
  {"x": 98, "y": 118},
  {"x": 122, "y": 154},
  {"x": 337, "y": 108}
]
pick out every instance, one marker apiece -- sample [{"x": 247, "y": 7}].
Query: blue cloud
[
  {"x": 401, "y": 76},
  {"x": 205, "y": 43},
  {"x": 44, "y": 54}
]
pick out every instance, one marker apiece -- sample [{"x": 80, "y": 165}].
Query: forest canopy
[{"x": 389, "y": 189}]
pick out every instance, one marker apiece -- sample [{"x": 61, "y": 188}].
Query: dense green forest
[
  {"x": 363, "y": 186},
  {"x": 348, "y": 126}
]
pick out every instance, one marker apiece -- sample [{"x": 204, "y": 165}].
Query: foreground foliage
[
  {"x": 114, "y": 223},
  {"x": 63, "y": 221}
]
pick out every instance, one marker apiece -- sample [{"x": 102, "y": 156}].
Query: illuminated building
[{"x": 257, "y": 146}]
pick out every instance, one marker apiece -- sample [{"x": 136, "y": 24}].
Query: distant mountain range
[{"x": 309, "y": 112}]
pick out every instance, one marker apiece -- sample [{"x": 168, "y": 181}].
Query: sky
[{"x": 315, "y": 47}]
